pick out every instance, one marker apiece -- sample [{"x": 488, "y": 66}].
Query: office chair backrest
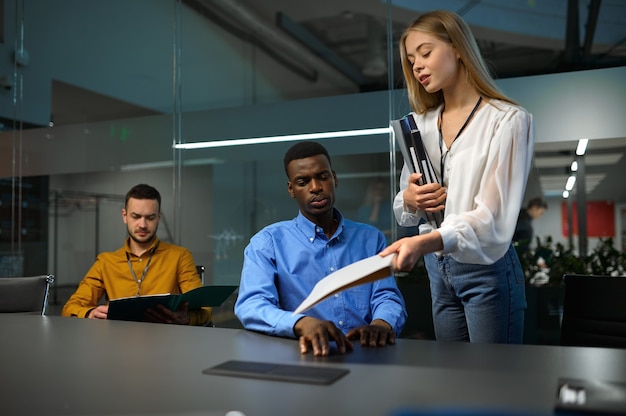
[
  {"x": 25, "y": 294},
  {"x": 594, "y": 311},
  {"x": 200, "y": 270}
]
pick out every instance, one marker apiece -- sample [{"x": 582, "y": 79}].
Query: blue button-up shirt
[{"x": 284, "y": 261}]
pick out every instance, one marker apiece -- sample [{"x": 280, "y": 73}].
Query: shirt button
[
  {"x": 336, "y": 295},
  {"x": 340, "y": 323},
  {"x": 311, "y": 239},
  {"x": 139, "y": 259},
  {"x": 332, "y": 269}
]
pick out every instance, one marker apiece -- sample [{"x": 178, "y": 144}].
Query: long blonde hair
[{"x": 448, "y": 27}]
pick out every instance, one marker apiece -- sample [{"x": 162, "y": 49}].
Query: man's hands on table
[{"x": 317, "y": 334}]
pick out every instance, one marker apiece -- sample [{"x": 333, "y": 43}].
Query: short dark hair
[
  {"x": 143, "y": 191},
  {"x": 303, "y": 150},
  {"x": 537, "y": 202}
]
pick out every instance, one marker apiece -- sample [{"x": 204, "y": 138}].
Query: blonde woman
[{"x": 480, "y": 143}]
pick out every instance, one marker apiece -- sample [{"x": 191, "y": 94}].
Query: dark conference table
[{"x": 66, "y": 366}]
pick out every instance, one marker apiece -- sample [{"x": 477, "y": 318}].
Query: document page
[{"x": 360, "y": 272}]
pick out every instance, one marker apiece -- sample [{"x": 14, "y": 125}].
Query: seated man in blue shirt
[{"x": 284, "y": 261}]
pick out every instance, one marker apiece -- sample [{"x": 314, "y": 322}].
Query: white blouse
[{"x": 486, "y": 170}]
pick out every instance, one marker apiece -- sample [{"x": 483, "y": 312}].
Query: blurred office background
[{"x": 95, "y": 94}]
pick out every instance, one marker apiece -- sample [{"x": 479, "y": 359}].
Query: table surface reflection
[{"x": 53, "y": 365}]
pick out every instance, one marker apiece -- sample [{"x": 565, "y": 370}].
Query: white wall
[{"x": 573, "y": 105}]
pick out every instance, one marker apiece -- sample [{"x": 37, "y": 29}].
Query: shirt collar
[
  {"x": 311, "y": 230},
  {"x": 127, "y": 245}
]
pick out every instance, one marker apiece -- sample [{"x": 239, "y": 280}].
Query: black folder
[
  {"x": 416, "y": 158},
  {"x": 132, "y": 308},
  {"x": 278, "y": 372}
]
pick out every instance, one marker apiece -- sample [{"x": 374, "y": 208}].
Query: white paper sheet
[{"x": 358, "y": 273}]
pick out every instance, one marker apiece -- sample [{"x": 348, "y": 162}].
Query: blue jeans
[{"x": 476, "y": 302}]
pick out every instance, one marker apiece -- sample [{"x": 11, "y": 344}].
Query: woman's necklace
[{"x": 444, "y": 155}]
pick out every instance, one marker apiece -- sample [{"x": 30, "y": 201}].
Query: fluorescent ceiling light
[
  {"x": 570, "y": 183},
  {"x": 286, "y": 138},
  {"x": 148, "y": 165},
  {"x": 574, "y": 166},
  {"x": 565, "y": 194},
  {"x": 169, "y": 164},
  {"x": 582, "y": 147}
]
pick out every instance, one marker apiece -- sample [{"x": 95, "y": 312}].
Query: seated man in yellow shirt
[{"x": 143, "y": 266}]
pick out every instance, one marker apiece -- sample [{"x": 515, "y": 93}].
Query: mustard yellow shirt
[{"x": 171, "y": 270}]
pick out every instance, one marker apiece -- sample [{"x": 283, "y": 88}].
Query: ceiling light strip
[
  {"x": 286, "y": 138},
  {"x": 582, "y": 147}
]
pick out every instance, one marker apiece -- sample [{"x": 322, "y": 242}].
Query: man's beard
[{"x": 148, "y": 240}]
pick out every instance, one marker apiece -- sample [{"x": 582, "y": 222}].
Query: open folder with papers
[
  {"x": 416, "y": 158},
  {"x": 133, "y": 308},
  {"x": 358, "y": 273}
]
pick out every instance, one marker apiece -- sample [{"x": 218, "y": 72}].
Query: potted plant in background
[
  {"x": 557, "y": 261},
  {"x": 544, "y": 268}
]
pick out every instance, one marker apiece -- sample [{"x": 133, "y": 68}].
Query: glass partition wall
[{"x": 97, "y": 94}]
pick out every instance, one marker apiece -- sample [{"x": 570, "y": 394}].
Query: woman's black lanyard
[
  {"x": 145, "y": 270},
  {"x": 440, "y": 122}
]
